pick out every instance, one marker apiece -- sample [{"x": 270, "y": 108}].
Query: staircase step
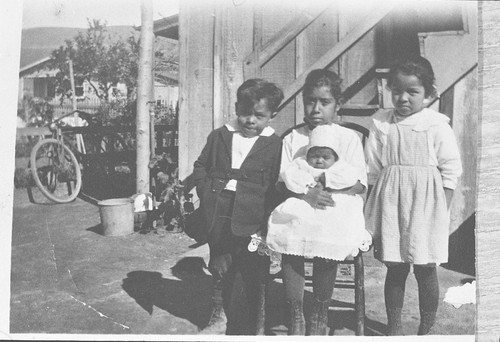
[{"x": 358, "y": 110}]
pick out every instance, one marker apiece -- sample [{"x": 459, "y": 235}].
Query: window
[
  {"x": 79, "y": 92},
  {"x": 40, "y": 87},
  {"x": 51, "y": 87}
]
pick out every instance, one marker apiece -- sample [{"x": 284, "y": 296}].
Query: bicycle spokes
[{"x": 57, "y": 171}]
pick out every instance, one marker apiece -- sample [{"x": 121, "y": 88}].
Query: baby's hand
[{"x": 318, "y": 198}]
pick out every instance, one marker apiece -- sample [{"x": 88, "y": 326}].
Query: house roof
[
  {"x": 33, "y": 67},
  {"x": 167, "y": 27}
]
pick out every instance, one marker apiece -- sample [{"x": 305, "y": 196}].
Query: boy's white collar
[{"x": 233, "y": 126}]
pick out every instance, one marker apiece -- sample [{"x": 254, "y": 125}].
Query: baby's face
[{"x": 321, "y": 157}]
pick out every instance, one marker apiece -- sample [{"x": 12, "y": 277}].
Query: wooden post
[
  {"x": 72, "y": 81},
  {"x": 143, "y": 97},
  {"x": 79, "y": 139}
]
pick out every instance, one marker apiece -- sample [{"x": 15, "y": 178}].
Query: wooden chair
[{"x": 356, "y": 281}]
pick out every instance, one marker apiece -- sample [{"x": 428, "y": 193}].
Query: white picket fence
[{"x": 88, "y": 105}]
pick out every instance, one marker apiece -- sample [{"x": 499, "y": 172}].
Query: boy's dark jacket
[{"x": 255, "y": 195}]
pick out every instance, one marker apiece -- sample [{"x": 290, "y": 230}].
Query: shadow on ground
[{"x": 187, "y": 298}]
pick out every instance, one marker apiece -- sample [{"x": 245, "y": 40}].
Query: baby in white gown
[{"x": 296, "y": 228}]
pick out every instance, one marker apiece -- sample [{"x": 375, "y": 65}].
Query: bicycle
[
  {"x": 103, "y": 152},
  {"x": 54, "y": 167}
]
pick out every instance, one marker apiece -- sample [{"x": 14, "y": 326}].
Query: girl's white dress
[
  {"x": 296, "y": 228},
  {"x": 409, "y": 163}
]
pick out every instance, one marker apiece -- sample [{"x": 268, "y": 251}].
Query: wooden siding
[
  {"x": 488, "y": 200},
  {"x": 196, "y": 27},
  {"x": 220, "y": 45}
]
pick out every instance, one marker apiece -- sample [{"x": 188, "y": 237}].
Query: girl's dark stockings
[
  {"x": 428, "y": 295},
  {"x": 428, "y": 288},
  {"x": 395, "y": 283},
  {"x": 324, "y": 274}
]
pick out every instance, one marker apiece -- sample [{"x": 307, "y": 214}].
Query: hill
[{"x": 38, "y": 43}]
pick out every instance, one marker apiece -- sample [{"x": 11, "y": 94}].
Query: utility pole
[{"x": 144, "y": 91}]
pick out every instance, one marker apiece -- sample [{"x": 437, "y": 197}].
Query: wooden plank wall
[
  {"x": 215, "y": 37},
  {"x": 281, "y": 68},
  {"x": 196, "y": 65},
  {"x": 453, "y": 55},
  {"x": 488, "y": 213},
  {"x": 311, "y": 44},
  {"x": 360, "y": 58}
]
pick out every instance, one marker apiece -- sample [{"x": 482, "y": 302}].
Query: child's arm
[
  {"x": 340, "y": 176},
  {"x": 201, "y": 166},
  {"x": 355, "y": 158},
  {"x": 373, "y": 154},
  {"x": 296, "y": 178},
  {"x": 448, "y": 158},
  {"x": 274, "y": 195}
]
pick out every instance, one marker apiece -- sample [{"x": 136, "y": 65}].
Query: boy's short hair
[
  {"x": 253, "y": 90},
  {"x": 324, "y": 78}
]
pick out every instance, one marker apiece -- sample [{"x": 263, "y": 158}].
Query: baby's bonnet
[{"x": 324, "y": 136}]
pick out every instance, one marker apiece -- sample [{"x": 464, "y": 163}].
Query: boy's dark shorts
[{"x": 225, "y": 247}]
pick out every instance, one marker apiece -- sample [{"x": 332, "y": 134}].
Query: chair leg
[{"x": 359, "y": 294}]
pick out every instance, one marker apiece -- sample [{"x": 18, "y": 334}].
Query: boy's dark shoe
[
  {"x": 218, "y": 322},
  {"x": 297, "y": 321},
  {"x": 318, "y": 322}
]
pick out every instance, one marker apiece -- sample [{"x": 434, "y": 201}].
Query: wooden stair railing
[
  {"x": 290, "y": 31},
  {"x": 381, "y": 10}
]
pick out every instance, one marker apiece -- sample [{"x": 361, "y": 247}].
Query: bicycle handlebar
[
  {"x": 55, "y": 123},
  {"x": 72, "y": 113}
]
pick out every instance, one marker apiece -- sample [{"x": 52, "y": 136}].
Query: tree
[
  {"x": 98, "y": 58},
  {"x": 103, "y": 60}
]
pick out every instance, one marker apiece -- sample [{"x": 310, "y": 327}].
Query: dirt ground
[{"x": 68, "y": 278}]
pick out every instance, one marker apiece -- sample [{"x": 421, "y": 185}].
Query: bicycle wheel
[{"x": 56, "y": 171}]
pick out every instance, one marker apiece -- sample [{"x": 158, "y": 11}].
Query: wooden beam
[
  {"x": 217, "y": 80},
  {"x": 251, "y": 69},
  {"x": 145, "y": 74},
  {"x": 350, "y": 39},
  {"x": 261, "y": 56}
]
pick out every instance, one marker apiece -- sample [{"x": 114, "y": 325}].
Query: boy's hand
[{"x": 318, "y": 198}]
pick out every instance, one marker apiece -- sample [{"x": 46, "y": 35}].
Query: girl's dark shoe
[
  {"x": 297, "y": 321},
  {"x": 394, "y": 327},
  {"x": 427, "y": 320},
  {"x": 318, "y": 322}
]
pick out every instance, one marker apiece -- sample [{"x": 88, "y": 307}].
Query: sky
[{"x": 74, "y": 13}]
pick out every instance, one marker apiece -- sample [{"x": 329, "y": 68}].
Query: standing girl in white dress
[{"x": 413, "y": 168}]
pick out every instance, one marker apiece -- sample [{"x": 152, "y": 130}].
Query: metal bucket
[{"x": 117, "y": 216}]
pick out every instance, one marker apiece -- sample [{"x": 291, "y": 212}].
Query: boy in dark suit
[{"x": 235, "y": 178}]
